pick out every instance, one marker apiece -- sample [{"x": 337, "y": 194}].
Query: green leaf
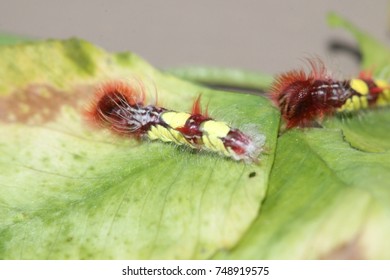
[
  {"x": 329, "y": 195},
  {"x": 376, "y": 56},
  {"x": 68, "y": 191},
  {"x": 225, "y": 77},
  {"x": 325, "y": 200},
  {"x": 9, "y": 39},
  {"x": 366, "y": 130}
]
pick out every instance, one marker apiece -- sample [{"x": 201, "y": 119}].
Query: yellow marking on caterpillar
[
  {"x": 175, "y": 119},
  {"x": 384, "y": 97},
  {"x": 348, "y": 106},
  {"x": 167, "y": 135},
  {"x": 359, "y": 86},
  {"x": 217, "y": 129},
  {"x": 354, "y": 103},
  {"x": 213, "y": 131},
  {"x": 364, "y": 102},
  {"x": 381, "y": 83},
  {"x": 214, "y": 144}
]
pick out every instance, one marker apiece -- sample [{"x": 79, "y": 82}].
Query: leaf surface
[
  {"x": 329, "y": 190},
  {"x": 68, "y": 191}
]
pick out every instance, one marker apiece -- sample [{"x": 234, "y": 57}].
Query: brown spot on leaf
[
  {"x": 39, "y": 104},
  {"x": 347, "y": 251}
]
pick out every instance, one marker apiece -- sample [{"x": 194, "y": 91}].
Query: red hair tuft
[
  {"x": 197, "y": 107},
  {"x": 366, "y": 74},
  {"x": 292, "y": 93},
  {"x": 111, "y": 94},
  {"x": 284, "y": 80}
]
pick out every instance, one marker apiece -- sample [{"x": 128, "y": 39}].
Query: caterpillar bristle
[
  {"x": 304, "y": 98},
  {"x": 121, "y": 107}
]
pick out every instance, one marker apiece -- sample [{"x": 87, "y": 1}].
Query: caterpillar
[
  {"x": 306, "y": 97},
  {"x": 122, "y": 109}
]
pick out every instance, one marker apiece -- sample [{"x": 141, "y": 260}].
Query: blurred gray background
[{"x": 268, "y": 36}]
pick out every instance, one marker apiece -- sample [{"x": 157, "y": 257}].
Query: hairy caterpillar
[
  {"x": 305, "y": 97},
  {"x": 121, "y": 108}
]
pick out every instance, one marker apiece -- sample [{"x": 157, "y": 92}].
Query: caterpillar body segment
[
  {"x": 306, "y": 97},
  {"x": 122, "y": 109}
]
